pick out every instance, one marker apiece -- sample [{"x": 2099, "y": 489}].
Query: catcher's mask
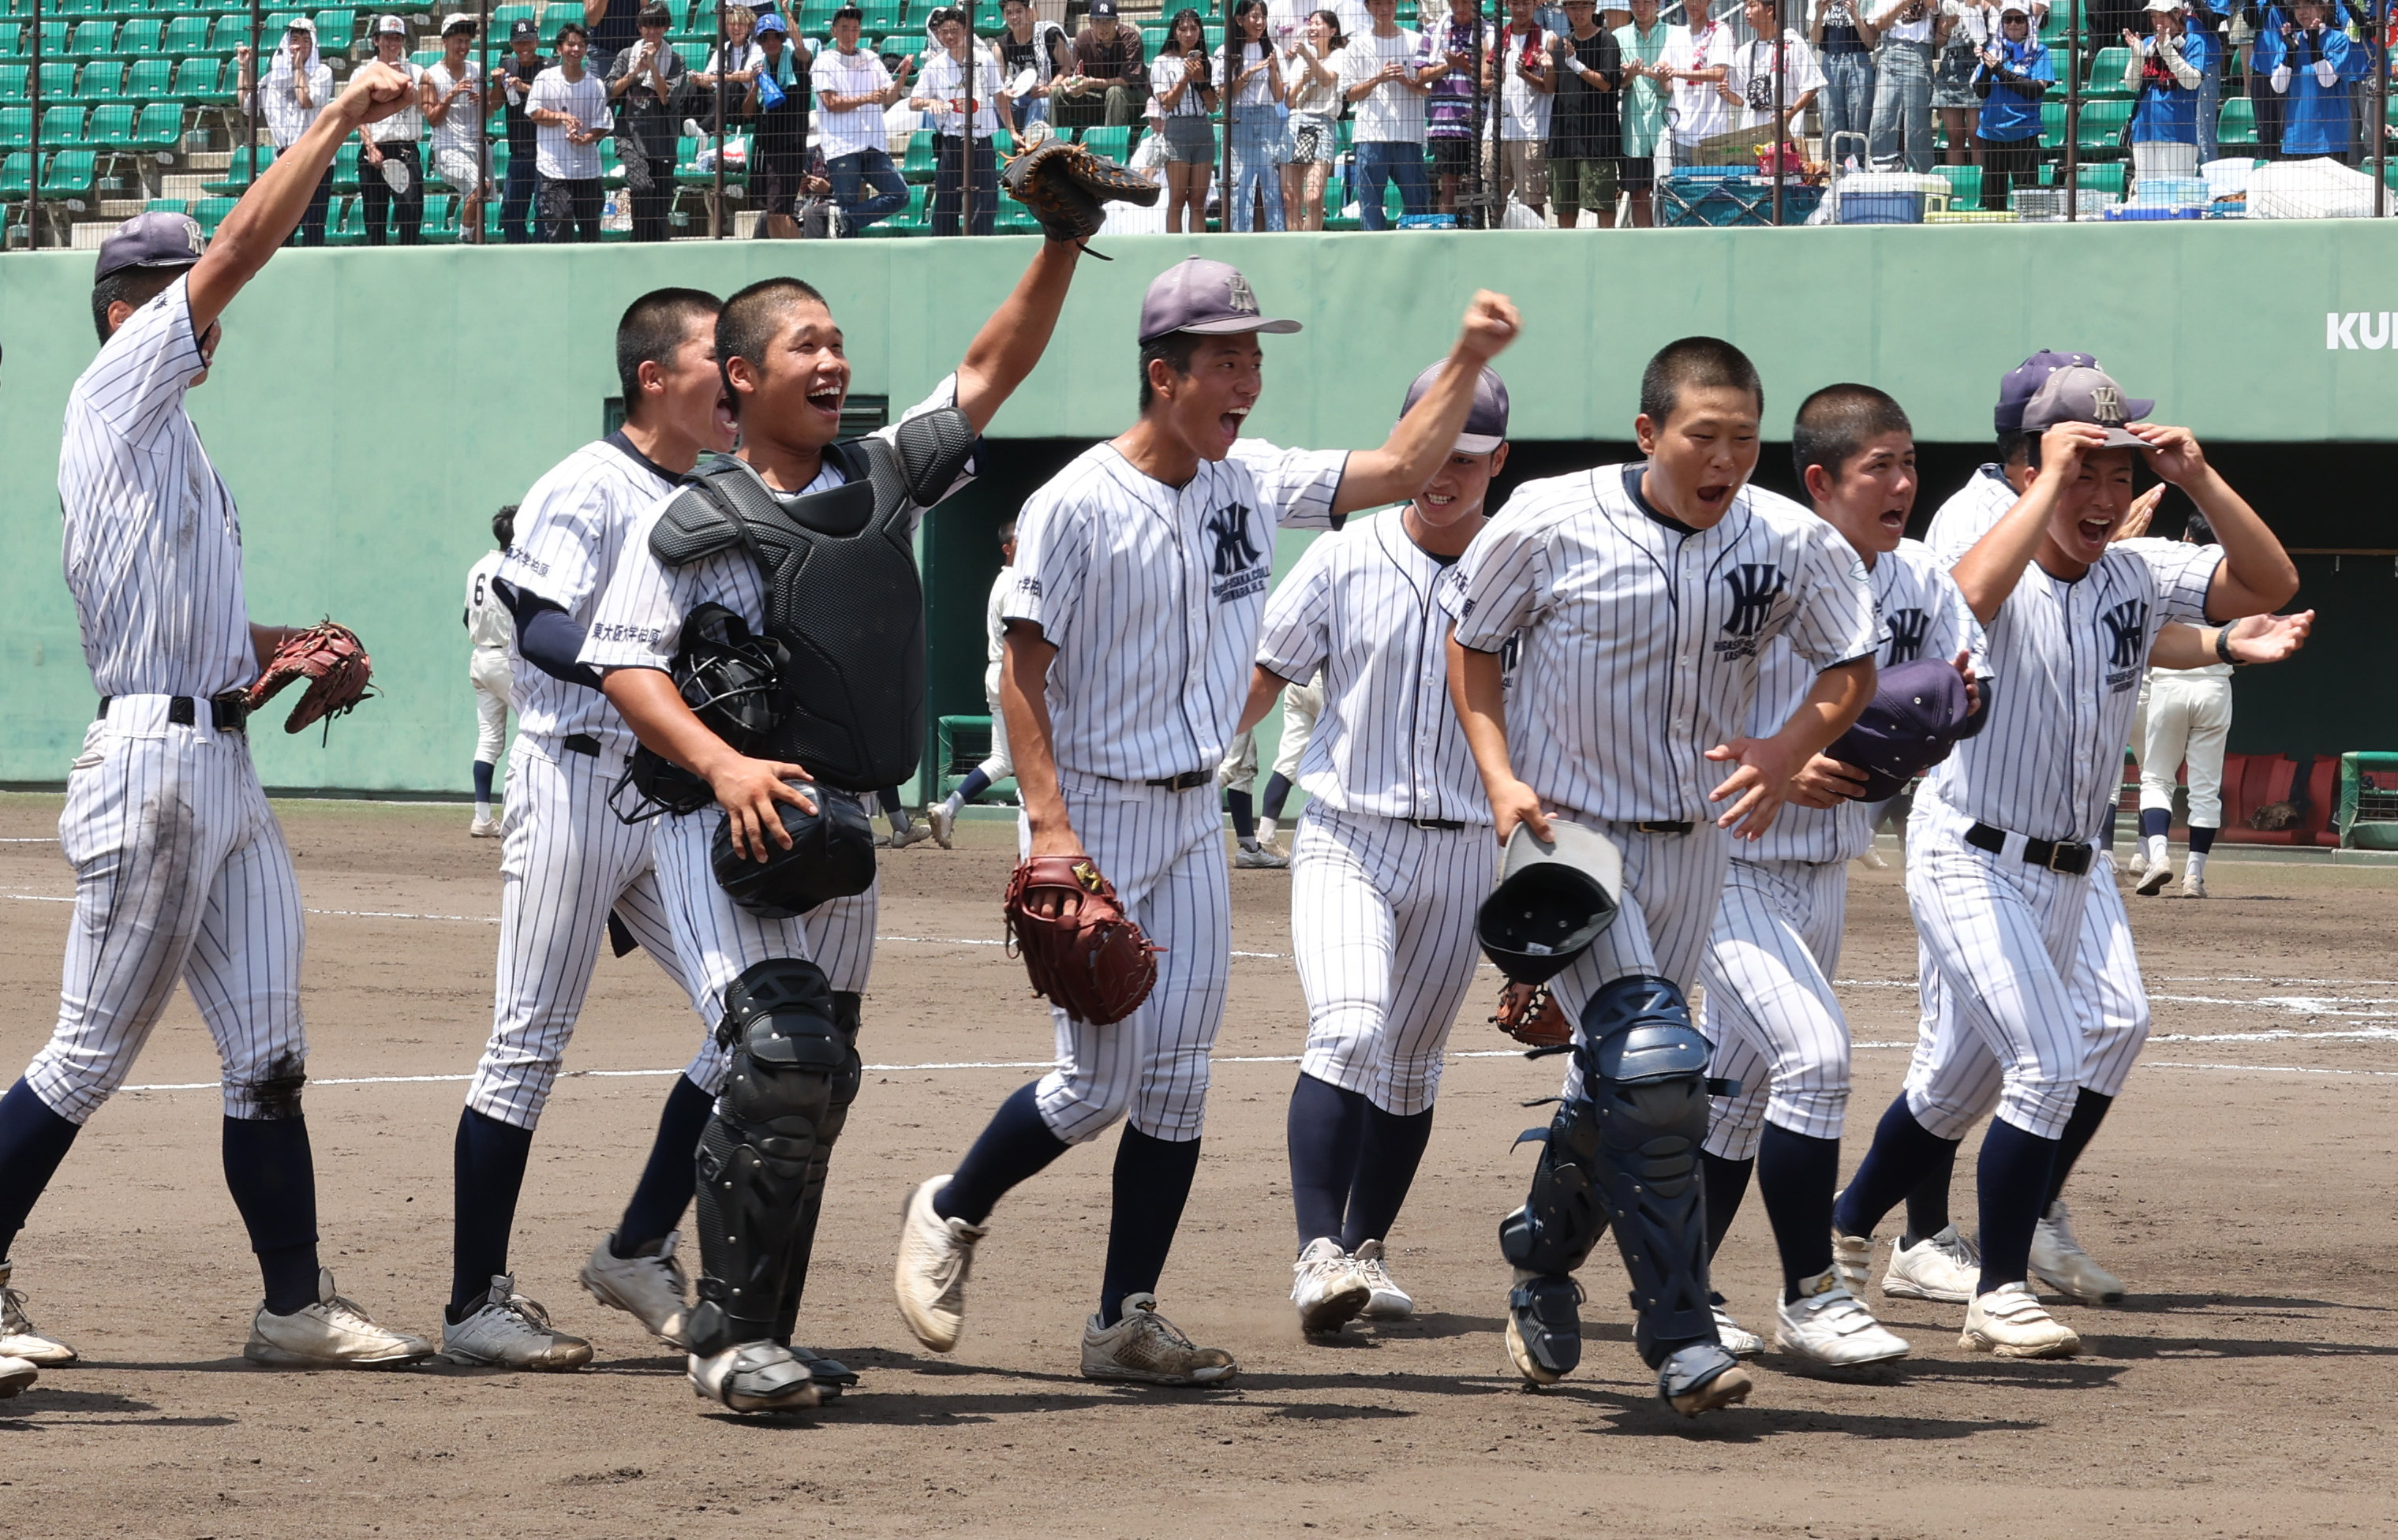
[
  {"x": 731, "y": 679},
  {"x": 831, "y": 856},
  {"x": 1917, "y": 715},
  {"x": 1552, "y": 899}
]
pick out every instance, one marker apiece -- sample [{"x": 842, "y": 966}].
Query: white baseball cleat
[
  {"x": 483, "y": 828},
  {"x": 2058, "y": 1261},
  {"x": 1736, "y": 1339},
  {"x": 1389, "y": 1301},
  {"x": 19, "y": 1337},
  {"x": 1148, "y": 1349},
  {"x": 1328, "y": 1286},
  {"x": 914, "y": 833},
  {"x": 2011, "y": 1321},
  {"x": 331, "y": 1334},
  {"x": 17, "y": 1375},
  {"x": 2193, "y": 885},
  {"x": 753, "y": 1376},
  {"x": 1852, "y": 1259},
  {"x": 1826, "y": 1325},
  {"x": 1261, "y": 857},
  {"x": 936, "y": 1255},
  {"x": 508, "y": 1330},
  {"x": 2138, "y": 864},
  {"x": 1267, "y": 829},
  {"x": 1873, "y": 860},
  {"x": 944, "y": 821},
  {"x": 2153, "y": 881},
  {"x": 651, "y": 1286},
  {"x": 1944, "y": 1267}
]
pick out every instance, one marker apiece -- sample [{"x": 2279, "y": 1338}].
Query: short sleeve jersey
[
  {"x": 1153, "y": 595},
  {"x": 488, "y": 625},
  {"x": 458, "y": 130},
  {"x": 1697, "y": 110}
]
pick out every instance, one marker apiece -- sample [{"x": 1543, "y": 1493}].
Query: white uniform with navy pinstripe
[
  {"x": 1640, "y": 649},
  {"x": 1153, "y": 595},
  {"x": 181, "y": 869},
  {"x": 1770, "y": 1008},
  {"x": 1382, "y": 900}
]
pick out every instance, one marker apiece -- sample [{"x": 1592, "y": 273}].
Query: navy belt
[
  {"x": 227, "y": 713},
  {"x": 1187, "y": 780},
  {"x": 1445, "y": 825},
  {"x": 579, "y": 743},
  {"x": 1663, "y": 826},
  {"x": 2055, "y": 854}
]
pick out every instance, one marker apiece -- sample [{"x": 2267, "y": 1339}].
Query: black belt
[
  {"x": 1187, "y": 780},
  {"x": 1663, "y": 826},
  {"x": 2055, "y": 854},
  {"x": 227, "y": 713},
  {"x": 579, "y": 743},
  {"x": 1446, "y": 824}
]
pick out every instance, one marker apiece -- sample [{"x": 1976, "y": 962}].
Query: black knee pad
[{"x": 1563, "y": 1215}]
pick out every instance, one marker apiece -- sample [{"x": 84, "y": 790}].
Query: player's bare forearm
[
  {"x": 747, "y": 789},
  {"x": 1011, "y": 343},
  {"x": 2256, "y": 575},
  {"x": 1024, "y": 704},
  {"x": 2252, "y": 640},
  {"x": 1265, "y": 689},
  {"x": 1761, "y": 783},
  {"x": 1989, "y": 572},
  {"x": 264, "y": 639},
  {"x": 1477, "y": 693},
  {"x": 1424, "y": 437}
]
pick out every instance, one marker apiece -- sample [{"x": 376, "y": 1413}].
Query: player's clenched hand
[
  {"x": 1756, "y": 789},
  {"x": 2269, "y": 638},
  {"x": 2173, "y": 453},
  {"x": 1490, "y": 324},
  {"x": 1512, "y": 802},
  {"x": 1963, "y": 664},
  {"x": 1826, "y": 782},
  {"x": 747, "y": 789},
  {"x": 375, "y": 91}
]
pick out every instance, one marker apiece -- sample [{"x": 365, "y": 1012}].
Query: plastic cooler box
[
  {"x": 1891, "y": 198},
  {"x": 2172, "y": 192},
  {"x": 2155, "y": 211}
]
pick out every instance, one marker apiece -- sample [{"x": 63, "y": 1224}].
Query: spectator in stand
[
  {"x": 1902, "y": 110},
  {"x": 1109, "y": 84},
  {"x": 2209, "y": 47},
  {"x": 609, "y": 27},
  {"x": 1966, "y": 29},
  {"x": 2163, "y": 133},
  {"x": 777, "y": 110},
  {"x": 732, "y": 70},
  {"x": 453, "y": 105},
  {"x": 1585, "y": 128},
  {"x": 1383, "y": 84},
  {"x": 1642, "y": 44},
  {"x": 1312, "y": 70},
  {"x": 1699, "y": 116},
  {"x": 1843, "y": 40},
  {"x": 1180, "y": 98},
  {"x": 647, "y": 85},
  {"x": 515, "y": 72},
  {"x": 1451, "y": 102},
  {"x": 941, "y": 97},
  {"x": 2014, "y": 74},
  {"x": 2311, "y": 65},
  {"x": 1036, "y": 47},
  {"x": 2249, "y": 20},
  {"x": 390, "y": 170},
  {"x": 852, "y": 87},
  {"x": 1522, "y": 80},
  {"x": 1249, "y": 77},
  {"x": 298, "y": 84},
  {"x": 1749, "y": 84},
  {"x": 568, "y": 108}
]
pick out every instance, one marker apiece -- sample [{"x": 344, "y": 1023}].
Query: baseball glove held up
[
  {"x": 1090, "y": 956},
  {"x": 1067, "y": 188},
  {"x": 329, "y": 656}
]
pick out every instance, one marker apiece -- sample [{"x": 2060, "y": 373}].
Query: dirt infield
[{"x": 2244, "y": 1188}]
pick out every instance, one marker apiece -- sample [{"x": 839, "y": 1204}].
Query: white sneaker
[
  {"x": 1944, "y": 1267},
  {"x": 1327, "y": 1286},
  {"x": 2138, "y": 864},
  {"x": 914, "y": 833},
  {"x": 2153, "y": 881},
  {"x": 936, "y": 1255},
  {"x": 1389, "y": 1301},
  {"x": 483, "y": 828},
  {"x": 18, "y": 1336},
  {"x": 753, "y": 1376},
  {"x": 331, "y": 1334},
  {"x": 1826, "y": 1325},
  {"x": 2193, "y": 886},
  {"x": 944, "y": 821},
  {"x": 2011, "y": 1323},
  {"x": 1146, "y": 1347},
  {"x": 1873, "y": 860},
  {"x": 2058, "y": 1261},
  {"x": 511, "y": 1331},
  {"x": 1852, "y": 1259},
  {"x": 651, "y": 1287},
  {"x": 1737, "y": 1340},
  {"x": 1267, "y": 829},
  {"x": 1260, "y": 857},
  {"x": 17, "y": 1375}
]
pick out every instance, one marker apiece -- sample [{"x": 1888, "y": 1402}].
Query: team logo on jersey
[
  {"x": 1755, "y": 585},
  {"x": 1907, "y": 630},
  {"x": 2127, "y": 626},
  {"x": 1239, "y": 570}
]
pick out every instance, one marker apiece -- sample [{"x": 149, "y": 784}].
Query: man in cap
[
  {"x": 181, "y": 869},
  {"x": 1152, "y": 552},
  {"x": 391, "y": 170},
  {"x": 1110, "y": 81},
  {"x": 516, "y": 74},
  {"x": 1388, "y": 863},
  {"x": 453, "y": 105},
  {"x": 298, "y": 86}
]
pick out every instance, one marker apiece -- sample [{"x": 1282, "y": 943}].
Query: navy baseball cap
[
  {"x": 1486, "y": 421},
  {"x": 2024, "y": 379},
  {"x": 156, "y": 239},
  {"x": 524, "y": 27},
  {"x": 1211, "y": 298},
  {"x": 2079, "y": 394},
  {"x": 1103, "y": 11},
  {"x": 1917, "y": 715}
]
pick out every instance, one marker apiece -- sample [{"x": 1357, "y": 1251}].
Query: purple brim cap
[
  {"x": 1211, "y": 298},
  {"x": 2079, "y": 394},
  {"x": 2024, "y": 380},
  {"x": 1486, "y": 421},
  {"x": 1918, "y": 712},
  {"x": 156, "y": 239}
]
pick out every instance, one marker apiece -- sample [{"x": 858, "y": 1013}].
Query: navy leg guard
[{"x": 1547, "y": 1239}]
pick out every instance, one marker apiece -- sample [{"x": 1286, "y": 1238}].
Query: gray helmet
[{"x": 1552, "y": 899}]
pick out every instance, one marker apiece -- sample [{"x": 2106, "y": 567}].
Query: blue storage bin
[
  {"x": 2156, "y": 211},
  {"x": 1881, "y": 208}
]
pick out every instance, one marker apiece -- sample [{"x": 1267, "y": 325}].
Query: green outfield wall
[{"x": 370, "y": 409}]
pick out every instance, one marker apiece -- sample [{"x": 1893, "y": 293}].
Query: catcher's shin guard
[
  {"x": 844, "y": 1091},
  {"x": 761, "y": 1145},
  {"x": 1548, "y": 1238}
]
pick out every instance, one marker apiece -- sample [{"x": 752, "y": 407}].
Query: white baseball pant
[
  {"x": 181, "y": 872},
  {"x": 489, "y": 672},
  {"x": 1239, "y": 771},
  {"x": 1301, "y": 704},
  {"x": 1381, "y": 917},
  {"x": 1769, "y": 1012},
  {"x": 1163, "y": 851},
  {"x": 2188, "y": 720},
  {"x": 1002, "y": 761}
]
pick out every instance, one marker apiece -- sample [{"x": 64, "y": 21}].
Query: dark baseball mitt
[
  {"x": 1528, "y": 1014},
  {"x": 329, "y": 656},
  {"x": 1079, "y": 947},
  {"x": 1067, "y": 188}
]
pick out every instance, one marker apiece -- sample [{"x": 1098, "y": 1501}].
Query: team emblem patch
[
  {"x": 1908, "y": 628},
  {"x": 1239, "y": 570},
  {"x": 2127, "y": 628},
  {"x": 1755, "y": 585},
  {"x": 2106, "y": 405}
]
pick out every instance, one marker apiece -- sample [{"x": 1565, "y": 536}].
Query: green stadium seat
[
  {"x": 2236, "y": 127},
  {"x": 346, "y": 221},
  {"x": 138, "y": 37},
  {"x": 231, "y": 32},
  {"x": 54, "y": 38},
  {"x": 69, "y": 175},
  {"x": 91, "y": 39},
  {"x": 185, "y": 36},
  {"x": 110, "y": 127},
  {"x": 238, "y": 175},
  {"x": 552, "y": 18},
  {"x": 211, "y": 212},
  {"x": 168, "y": 206},
  {"x": 2101, "y": 132},
  {"x": 918, "y": 164},
  {"x": 195, "y": 82},
  {"x": 346, "y": 167},
  {"x": 1964, "y": 186},
  {"x": 15, "y": 175},
  {"x": 99, "y": 80},
  {"x": 2107, "y": 75},
  {"x": 2051, "y": 123},
  {"x": 149, "y": 80},
  {"x": 15, "y": 127},
  {"x": 425, "y": 59},
  {"x": 440, "y": 226},
  {"x": 61, "y": 127},
  {"x": 1115, "y": 143},
  {"x": 13, "y": 79},
  {"x": 2105, "y": 177},
  {"x": 694, "y": 55},
  {"x": 159, "y": 128},
  {"x": 337, "y": 32},
  {"x": 58, "y": 80}
]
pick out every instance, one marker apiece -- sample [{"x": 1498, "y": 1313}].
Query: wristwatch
[{"x": 2223, "y": 646}]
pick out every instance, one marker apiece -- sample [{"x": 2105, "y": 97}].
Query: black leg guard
[
  {"x": 845, "y": 1005},
  {"x": 1548, "y": 1238},
  {"x": 759, "y": 1146}
]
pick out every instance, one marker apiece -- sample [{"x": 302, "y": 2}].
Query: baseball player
[
  {"x": 1645, "y": 595},
  {"x": 1999, "y": 859},
  {"x": 1132, "y": 634},
  {"x": 996, "y": 767},
  {"x": 2187, "y": 719},
  {"x": 1388, "y": 867},
  {"x": 181, "y": 868},
  {"x": 490, "y": 630},
  {"x": 1238, "y": 776},
  {"x": 1778, "y": 1031},
  {"x": 1302, "y": 705},
  {"x": 788, "y": 1021}
]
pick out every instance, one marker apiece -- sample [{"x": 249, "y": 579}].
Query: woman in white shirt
[
  {"x": 1313, "y": 89},
  {"x": 1180, "y": 98},
  {"x": 1248, "y": 73}
]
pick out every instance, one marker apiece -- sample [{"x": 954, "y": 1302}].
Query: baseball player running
[
  {"x": 1778, "y": 1031},
  {"x": 789, "y": 1028},
  {"x": 1645, "y": 595},
  {"x": 1999, "y": 860},
  {"x": 1132, "y": 633},
  {"x": 995, "y": 766},
  {"x": 181, "y": 868},
  {"x": 492, "y": 631},
  {"x": 1388, "y": 865}
]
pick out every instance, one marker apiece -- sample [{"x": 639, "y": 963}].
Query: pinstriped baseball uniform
[
  {"x": 1381, "y": 905},
  {"x": 1153, "y": 595},
  {"x": 181, "y": 869},
  {"x": 2003, "y": 936},
  {"x": 1770, "y": 1010},
  {"x": 1640, "y": 649}
]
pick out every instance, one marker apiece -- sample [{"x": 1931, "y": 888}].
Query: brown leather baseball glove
[
  {"x": 1067, "y": 188},
  {"x": 1528, "y": 1014},
  {"x": 329, "y": 656},
  {"x": 1079, "y": 947}
]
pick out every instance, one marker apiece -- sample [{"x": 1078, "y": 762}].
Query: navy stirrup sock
[
  {"x": 1724, "y": 1184},
  {"x": 488, "y": 1163},
  {"x": 1927, "y": 1201},
  {"x": 2012, "y": 1186},
  {"x": 1277, "y": 794},
  {"x": 1387, "y": 1158},
  {"x": 1015, "y": 1145},
  {"x": 974, "y": 786},
  {"x": 2155, "y": 821},
  {"x": 272, "y": 1175},
  {"x": 482, "y": 784},
  {"x": 32, "y": 1141},
  {"x": 1152, "y": 1182},
  {"x": 1903, "y": 1151},
  {"x": 2089, "y": 1111},
  {"x": 1326, "y": 1130},
  {"x": 669, "y": 1178},
  {"x": 1796, "y": 1176},
  {"x": 2202, "y": 840},
  {"x": 1245, "y": 817}
]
